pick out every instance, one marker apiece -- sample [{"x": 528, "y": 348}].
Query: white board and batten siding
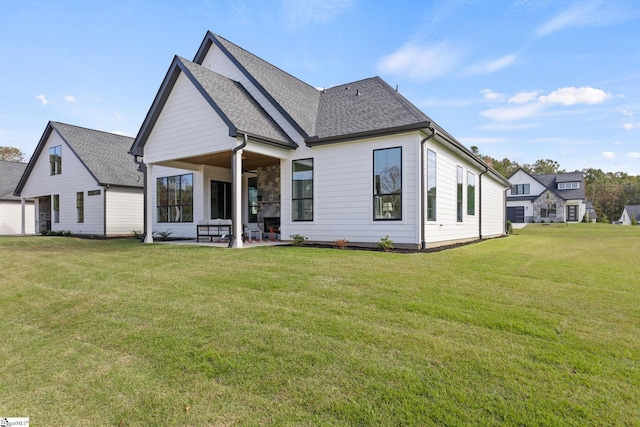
[
  {"x": 187, "y": 126},
  {"x": 124, "y": 210},
  {"x": 74, "y": 178},
  {"x": 343, "y": 192},
  {"x": 11, "y": 217}
]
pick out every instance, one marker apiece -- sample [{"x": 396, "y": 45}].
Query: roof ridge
[{"x": 53, "y": 123}]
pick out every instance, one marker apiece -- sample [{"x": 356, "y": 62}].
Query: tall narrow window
[
  {"x": 56, "y": 208},
  {"x": 253, "y": 199},
  {"x": 471, "y": 194},
  {"x": 55, "y": 159},
  {"x": 431, "y": 185},
  {"x": 80, "y": 205},
  {"x": 220, "y": 200},
  {"x": 387, "y": 183},
  {"x": 302, "y": 190},
  {"x": 459, "y": 193},
  {"x": 174, "y": 198}
]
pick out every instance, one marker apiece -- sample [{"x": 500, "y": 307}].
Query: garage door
[{"x": 515, "y": 213}]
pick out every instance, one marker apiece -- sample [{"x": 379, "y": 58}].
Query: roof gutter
[
  {"x": 234, "y": 153},
  {"x": 423, "y": 241}
]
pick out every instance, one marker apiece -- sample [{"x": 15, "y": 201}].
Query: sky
[{"x": 523, "y": 79}]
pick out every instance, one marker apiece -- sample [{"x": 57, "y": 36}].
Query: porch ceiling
[{"x": 250, "y": 161}]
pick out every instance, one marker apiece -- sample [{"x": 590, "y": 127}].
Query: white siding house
[
  {"x": 231, "y": 136},
  {"x": 629, "y": 213},
  {"x": 546, "y": 198},
  {"x": 11, "y": 209},
  {"x": 83, "y": 181}
]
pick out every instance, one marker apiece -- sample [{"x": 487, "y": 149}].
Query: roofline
[
  {"x": 74, "y": 152},
  {"x": 210, "y": 38},
  {"x": 531, "y": 175},
  {"x": 33, "y": 159}
]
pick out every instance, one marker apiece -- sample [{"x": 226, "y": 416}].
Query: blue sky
[{"x": 524, "y": 79}]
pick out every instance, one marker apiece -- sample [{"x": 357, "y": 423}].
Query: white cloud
[
  {"x": 627, "y": 112},
  {"x": 489, "y": 67},
  {"x": 42, "y": 99},
  {"x": 121, "y": 133},
  {"x": 300, "y": 13},
  {"x": 608, "y": 154},
  {"x": 629, "y": 125},
  {"x": 420, "y": 63},
  {"x": 633, "y": 155},
  {"x": 491, "y": 95},
  {"x": 523, "y": 97},
  {"x": 69, "y": 98},
  {"x": 571, "y": 95},
  {"x": 475, "y": 140},
  {"x": 509, "y": 113}
]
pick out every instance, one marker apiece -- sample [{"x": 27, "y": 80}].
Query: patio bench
[{"x": 219, "y": 229}]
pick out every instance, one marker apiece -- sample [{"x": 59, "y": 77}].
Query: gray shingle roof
[
  {"x": 236, "y": 104},
  {"x": 105, "y": 154},
  {"x": 551, "y": 182},
  {"x": 10, "y": 174},
  {"x": 363, "y": 106},
  {"x": 633, "y": 210},
  {"x": 296, "y": 98}
]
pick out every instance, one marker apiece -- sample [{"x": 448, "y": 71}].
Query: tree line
[{"x": 609, "y": 192}]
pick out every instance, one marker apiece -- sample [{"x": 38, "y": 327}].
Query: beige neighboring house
[
  {"x": 11, "y": 208},
  {"x": 83, "y": 181}
]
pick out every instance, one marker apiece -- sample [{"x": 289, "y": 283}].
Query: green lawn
[{"x": 541, "y": 328}]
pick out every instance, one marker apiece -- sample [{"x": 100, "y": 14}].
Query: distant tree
[
  {"x": 543, "y": 167},
  {"x": 11, "y": 154}
]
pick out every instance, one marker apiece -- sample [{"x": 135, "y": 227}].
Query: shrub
[
  {"x": 298, "y": 239},
  {"x": 508, "y": 227},
  {"x": 634, "y": 221},
  {"x": 162, "y": 235},
  {"x": 341, "y": 243},
  {"x": 136, "y": 234},
  {"x": 386, "y": 244},
  {"x": 603, "y": 218}
]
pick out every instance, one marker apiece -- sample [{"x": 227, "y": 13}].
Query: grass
[{"x": 541, "y": 328}]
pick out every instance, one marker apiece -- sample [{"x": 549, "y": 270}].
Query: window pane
[
  {"x": 471, "y": 194},
  {"x": 302, "y": 190},
  {"x": 387, "y": 183},
  {"x": 431, "y": 185},
  {"x": 459, "y": 194}
]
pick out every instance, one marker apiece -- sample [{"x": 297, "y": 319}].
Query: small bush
[
  {"x": 298, "y": 239},
  {"x": 508, "y": 227},
  {"x": 136, "y": 234},
  {"x": 634, "y": 221},
  {"x": 341, "y": 243},
  {"x": 386, "y": 244},
  {"x": 162, "y": 235}
]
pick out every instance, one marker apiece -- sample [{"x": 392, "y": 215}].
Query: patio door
[{"x": 220, "y": 200}]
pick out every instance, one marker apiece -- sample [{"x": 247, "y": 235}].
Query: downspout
[
  {"x": 486, "y": 169},
  {"x": 423, "y": 242},
  {"x": 104, "y": 210},
  {"x": 234, "y": 153},
  {"x": 143, "y": 168}
]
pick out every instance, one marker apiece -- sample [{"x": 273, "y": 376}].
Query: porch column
[
  {"x": 22, "y": 205},
  {"x": 148, "y": 237},
  {"x": 236, "y": 184}
]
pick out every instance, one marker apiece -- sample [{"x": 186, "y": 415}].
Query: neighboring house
[
  {"x": 629, "y": 212},
  {"x": 11, "y": 208},
  {"x": 231, "y": 136},
  {"x": 84, "y": 181},
  {"x": 591, "y": 215},
  {"x": 546, "y": 198}
]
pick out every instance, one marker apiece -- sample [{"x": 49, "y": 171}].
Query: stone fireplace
[{"x": 268, "y": 194}]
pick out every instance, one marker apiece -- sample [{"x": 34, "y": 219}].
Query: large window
[
  {"x": 56, "y": 208},
  {"x": 253, "y": 199},
  {"x": 431, "y": 185},
  {"x": 221, "y": 199},
  {"x": 80, "y": 205},
  {"x": 55, "y": 159},
  {"x": 302, "y": 191},
  {"x": 471, "y": 194},
  {"x": 387, "y": 184},
  {"x": 175, "y": 198},
  {"x": 520, "y": 189},
  {"x": 459, "y": 193},
  {"x": 548, "y": 210}
]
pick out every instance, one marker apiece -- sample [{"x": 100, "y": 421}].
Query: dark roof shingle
[{"x": 10, "y": 174}]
